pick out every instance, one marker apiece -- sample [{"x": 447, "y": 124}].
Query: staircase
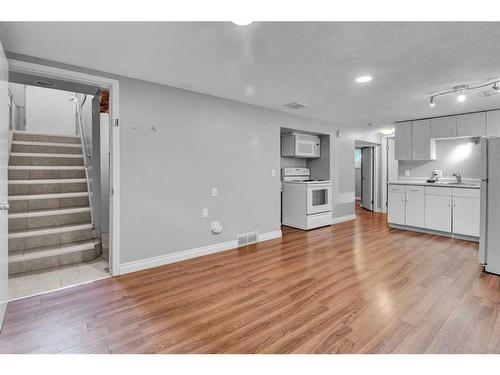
[{"x": 49, "y": 216}]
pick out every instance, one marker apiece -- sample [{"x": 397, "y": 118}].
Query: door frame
[
  {"x": 113, "y": 86},
  {"x": 372, "y": 161}
]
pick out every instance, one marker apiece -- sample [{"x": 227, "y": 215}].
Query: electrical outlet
[
  {"x": 214, "y": 192},
  {"x": 204, "y": 212},
  {"x": 407, "y": 173}
]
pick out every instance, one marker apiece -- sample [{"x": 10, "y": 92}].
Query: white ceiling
[{"x": 274, "y": 63}]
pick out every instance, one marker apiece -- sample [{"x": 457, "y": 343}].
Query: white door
[
  {"x": 415, "y": 214},
  {"x": 367, "y": 178},
  {"x": 4, "y": 156},
  {"x": 466, "y": 215},
  {"x": 396, "y": 208},
  {"x": 438, "y": 212}
]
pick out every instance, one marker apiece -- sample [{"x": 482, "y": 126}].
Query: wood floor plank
[{"x": 354, "y": 287}]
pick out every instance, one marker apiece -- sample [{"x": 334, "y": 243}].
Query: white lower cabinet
[
  {"x": 438, "y": 212},
  {"x": 396, "y": 207},
  {"x": 415, "y": 201},
  {"x": 466, "y": 212}
]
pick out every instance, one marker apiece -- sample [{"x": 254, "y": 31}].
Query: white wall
[{"x": 49, "y": 111}]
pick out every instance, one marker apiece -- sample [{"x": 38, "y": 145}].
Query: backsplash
[{"x": 451, "y": 155}]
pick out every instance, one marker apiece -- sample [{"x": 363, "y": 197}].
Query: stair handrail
[{"x": 87, "y": 158}]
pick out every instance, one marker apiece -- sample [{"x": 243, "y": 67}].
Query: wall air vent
[
  {"x": 247, "y": 238},
  {"x": 296, "y": 105}
]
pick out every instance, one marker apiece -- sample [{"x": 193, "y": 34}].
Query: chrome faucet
[{"x": 458, "y": 177}]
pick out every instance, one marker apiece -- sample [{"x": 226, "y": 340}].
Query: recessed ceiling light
[
  {"x": 242, "y": 22},
  {"x": 363, "y": 79},
  {"x": 461, "y": 98}
]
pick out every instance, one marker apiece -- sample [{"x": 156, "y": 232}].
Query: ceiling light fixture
[
  {"x": 387, "y": 131},
  {"x": 461, "y": 89},
  {"x": 242, "y": 22},
  {"x": 363, "y": 79}
]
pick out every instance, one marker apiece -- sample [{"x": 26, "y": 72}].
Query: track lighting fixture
[{"x": 461, "y": 89}]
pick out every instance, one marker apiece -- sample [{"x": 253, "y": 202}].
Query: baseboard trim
[
  {"x": 434, "y": 232},
  {"x": 161, "y": 260},
  {"x": 341, "y": 219}
]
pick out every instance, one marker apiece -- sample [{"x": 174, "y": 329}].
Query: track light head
[
  {"x": 495, "y": 87},
  {"x": 461, "y": 98},
  {"x": 431, "y": 102}
]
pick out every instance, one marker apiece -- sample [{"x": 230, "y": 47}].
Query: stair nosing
[
  {"x": 47, "y": 196},
  {"x": 45, "y": 155},
  {"x": 60, "y": 250},
  {"x": 48, "y": 181},
  {"x": 46, "y": 134},
  {"x": 47, "y": 231},
  {"x": 53, "y": 212},
  {"x": 48, "y": 144},
  {"x": 46, "y": 167}
]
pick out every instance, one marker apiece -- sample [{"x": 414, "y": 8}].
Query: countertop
[{"x": 464, "y": 185}]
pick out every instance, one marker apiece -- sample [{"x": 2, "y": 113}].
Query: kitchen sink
[{"x": 457, "y": 184}]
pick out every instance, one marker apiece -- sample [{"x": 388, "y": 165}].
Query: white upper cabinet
[
  {"x": 421, "y": 147},
  {"x": 402, "y": 141},
  {"x": 493, "y": 123},
  {"x": 472, "y": 124},
  {"x": 444, "y": 127}
]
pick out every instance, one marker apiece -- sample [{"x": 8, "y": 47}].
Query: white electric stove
[{"x": 306, "y": 203}]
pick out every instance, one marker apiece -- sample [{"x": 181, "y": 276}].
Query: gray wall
[
  {"x": 203, "y": 142},
  {"x": 451, "y": 155}
]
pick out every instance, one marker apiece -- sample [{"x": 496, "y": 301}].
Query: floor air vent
[{"x": 247, "y": 238}]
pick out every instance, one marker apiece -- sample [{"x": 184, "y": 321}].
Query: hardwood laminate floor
[{"x": 355, "y": 287}]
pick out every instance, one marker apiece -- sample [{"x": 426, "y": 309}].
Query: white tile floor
[{"x": 44, "y": 281}]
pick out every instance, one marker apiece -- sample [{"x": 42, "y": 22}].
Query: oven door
[{"x": 319, "y": 199}]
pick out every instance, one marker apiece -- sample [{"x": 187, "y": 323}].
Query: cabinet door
[
  {"x": 402, "y": 141},
  {"x": 396, "y": 208},
  {"x": 466, "y": 216},
  {"x": 444, "y": 127},
  {"x": 438, "y": 212},
  {"x": 421, "y": 140},
  {"x": 493, "y": 123},
  {"x": 415, "y": 214},
  {"x": 472, "y": 124}
]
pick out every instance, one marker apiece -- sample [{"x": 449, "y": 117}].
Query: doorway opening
[
  {"x": 60, "y": 180},
  {"x": 366, "y": 156}
]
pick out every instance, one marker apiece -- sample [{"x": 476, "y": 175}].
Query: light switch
[
  {"x": 273, "y": 172},
  {"x": 407, "y": 173},
  {"x": 204, "y": 212},
  {"x": 214, "y": 192}
]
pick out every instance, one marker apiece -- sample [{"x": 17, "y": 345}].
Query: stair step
[
  {"x": 49, "y": 181},
  {"x": 29, "y": 143},
  {"x": 44, "y": 137},
  {"x": 45, "y": 252},
  {"x": 45, "y": 231},
  {"x": 46, "y": 167},
  {"x": 42, "y": 155},
  {"x": 47, "y": 196},
  {"x": 52, "y": 212}
]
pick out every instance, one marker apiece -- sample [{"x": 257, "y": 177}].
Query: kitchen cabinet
[
  {"x": 421, "y": 146},
  {"x": 444, "y": 127},
  {"x": 402, "y": 142},
  {"x": 438, "y": 209},
  {"x": 396, "y": 205},
  {"x": 471, "y": 124},
  {"x": 493, "y": 123},
  {"x": 414, "y": 210},
  {"x": 466, "y": 212}
]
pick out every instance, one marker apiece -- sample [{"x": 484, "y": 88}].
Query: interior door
[
  {"x": 4, "y": 156},
  {"x": 367, "y": 178}
]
